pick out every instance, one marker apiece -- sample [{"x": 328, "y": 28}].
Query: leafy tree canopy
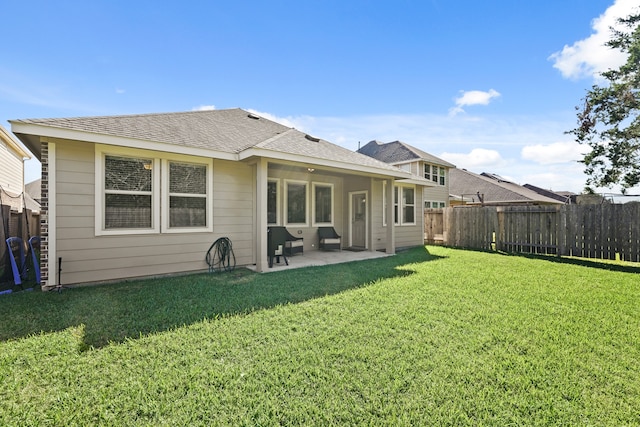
[{"x": 609, "y": 120}]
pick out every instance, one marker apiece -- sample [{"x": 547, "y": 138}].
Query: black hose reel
[{"x": 220, "y": 256}]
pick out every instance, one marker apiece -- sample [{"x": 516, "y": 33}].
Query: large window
[
  {"x": 187, "y": 195},
  {"x": 322, "y": 204},
  {"x": 296, "y": 202},
  {"x": 128, "y": 191},
  {"x": 273, "y": 202},
  {"x": 404, "y": 204},
  {"x": 435, "y": 173},
  {"x": 140, "y": 192}
]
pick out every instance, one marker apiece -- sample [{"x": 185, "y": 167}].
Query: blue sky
[{"x": 490, "y": 86}]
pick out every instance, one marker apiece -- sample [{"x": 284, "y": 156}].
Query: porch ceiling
[{"x": 315, "y": 169}]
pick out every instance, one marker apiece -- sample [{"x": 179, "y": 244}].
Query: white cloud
[
  {"x": 286, "y": 121},
  {"x": 473, "y": 97},
  {"x": 204, "y": 108},
  {"x": 589, "y": 57},
  {"x": 474, "y": 160},
  {"x": 554, "y": 153},
  {"x": 120, "y": 91},
  {"x": 487, "y": 144}
]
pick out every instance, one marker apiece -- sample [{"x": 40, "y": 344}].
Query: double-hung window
[
  {"x": 296, "y": 200},
  {"x": 408, "y": 205},
  {"x": 404, "y": 205},
  {"x": 273, "y": 202},
  {"x": 127, "y": 195},
  {"x": 442, "y": 176},
  {"x": 187, "y": 196},
  {"x": 322, "y": 204}
]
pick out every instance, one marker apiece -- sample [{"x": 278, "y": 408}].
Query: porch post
[
  {"x": 390, "y": 246},
  {"x": 261, "y": 214},
  {"x": 370, "y": 197}
]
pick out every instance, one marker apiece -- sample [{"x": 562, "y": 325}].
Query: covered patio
[{"x": 316, "y": 258}]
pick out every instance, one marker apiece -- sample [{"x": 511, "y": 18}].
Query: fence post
[{"x": 500, "y": 233}]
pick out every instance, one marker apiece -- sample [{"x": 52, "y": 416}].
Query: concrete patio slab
[{"x": 315, "y": 258}]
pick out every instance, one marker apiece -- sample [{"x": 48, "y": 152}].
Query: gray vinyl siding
[
  {"x": 11, "y": 170},
  {"x": 438, "y": 193},
  {"x": 89, "y": 258}
]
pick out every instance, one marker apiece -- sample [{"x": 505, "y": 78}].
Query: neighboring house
[
  {"x": 561, "y": 196},
  {"x": 417, "y": 162},
  {"x": 12, "y": 157},
  {"x": 140, "y": 195},
  {"x": 34, "y": 190},
  {"x": 468, "y": 188}
]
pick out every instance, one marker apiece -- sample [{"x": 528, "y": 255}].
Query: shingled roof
[
  {"x": 221, "y": 130},
  {"x": 235, "y": 132},
  {"x": 399, "y": 152},
  {"x": 492, "y": 189}
]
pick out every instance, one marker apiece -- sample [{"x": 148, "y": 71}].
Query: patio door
[{"x": 358, "y": 222}]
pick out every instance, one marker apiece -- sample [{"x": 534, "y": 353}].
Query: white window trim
[
  {"x": 442, "y": 176},
  {"x": 313, "y": 204},
  {"x": 431, "y": 202},
  {"x": 100, "y": 154},
  {"x": 401, "y": 204},
  {"x": 278, "y": 222},
  {"x": 165, "y": 193},
  {"x": 159, "y": 195},
  {"x": 286, "y": 203},
  {"x": 400, "y": 187},
  {"x": 384, "y": 205}
]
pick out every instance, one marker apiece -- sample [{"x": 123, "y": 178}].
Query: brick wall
[{"x": 46, "y": 284}]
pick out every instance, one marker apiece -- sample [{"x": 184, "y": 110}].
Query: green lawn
[{"x": 428, "y": 337}]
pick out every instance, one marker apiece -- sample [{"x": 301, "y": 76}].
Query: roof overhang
[
  {"x": 416, "y": 180},
  {"x": 333, "y": 164},
  {"x": 32, "y": 134},
  {"x": 6, "y": 137}
]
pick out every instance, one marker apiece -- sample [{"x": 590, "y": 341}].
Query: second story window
[{"x": 435, "y": 173}]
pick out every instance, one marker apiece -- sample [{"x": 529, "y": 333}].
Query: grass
[{"x": 435, "y": 337}]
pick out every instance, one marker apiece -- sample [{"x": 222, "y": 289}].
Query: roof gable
[{"x": 399, "y": 152}]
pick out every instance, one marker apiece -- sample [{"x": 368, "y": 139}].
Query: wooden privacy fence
[
  {"x": 604, "y": 231},
  {"x": 21, "y": 224}
]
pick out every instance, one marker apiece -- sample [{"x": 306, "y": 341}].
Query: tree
[{"x": 609, "y": 120}]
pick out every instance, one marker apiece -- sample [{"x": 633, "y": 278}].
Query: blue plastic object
[
  {"x": 35, "y": 240},
  {"x": 18, "y": 272}
]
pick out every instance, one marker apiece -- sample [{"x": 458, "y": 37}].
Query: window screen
[
  {"x": 187, "y": 195},
  {"x": 128, "y": 190}
]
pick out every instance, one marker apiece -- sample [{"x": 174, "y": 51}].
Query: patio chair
[
  {"x": 281, "y": 243},
  {"x": 275, "y": 245},
  {"x": 293, "y": 245},
  {"x": 328, "y": 238}
]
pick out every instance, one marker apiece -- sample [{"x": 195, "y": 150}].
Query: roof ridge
[
  {"x": 262, "y": 144},
  {"x": 135, "y": 115}
]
